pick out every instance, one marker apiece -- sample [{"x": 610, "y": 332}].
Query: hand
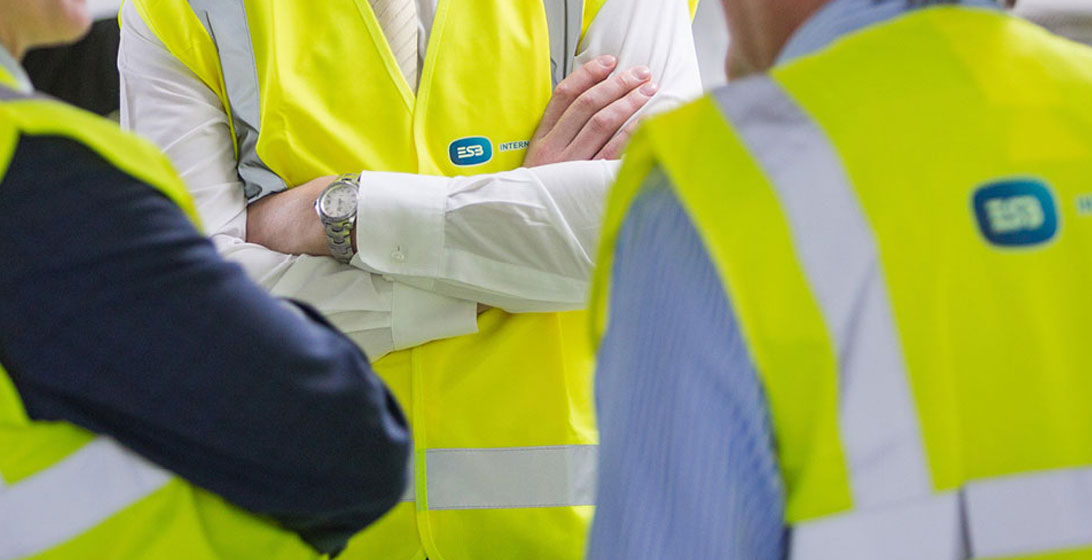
[
  {"x": 287, "y": 223},
  {"x": 582, "y": 119}
]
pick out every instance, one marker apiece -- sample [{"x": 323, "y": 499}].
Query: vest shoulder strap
[
  {"x": 40, "y": 115},
  {"x": 227, "y": 25},
  {"x": 564, "y": 19},
  {"x": 9, "y": 94}
]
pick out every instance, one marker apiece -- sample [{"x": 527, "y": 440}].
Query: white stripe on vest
[
  {"x": 878, "y": 420},
  {"x": 997, "y": 518},
  {"x": 897, "y": 514},
  {"x": 73, "y": 496},
  {"x": 509, "y": 477}
]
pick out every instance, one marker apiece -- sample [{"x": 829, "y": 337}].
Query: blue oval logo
[
  {"x": 1016, "y": 213},
  {"x": 475, "y": 150}
]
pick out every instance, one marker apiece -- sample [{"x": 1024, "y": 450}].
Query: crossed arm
[
  {"x": 523, "y": 240},
  {"x": 586, "y": 120}
]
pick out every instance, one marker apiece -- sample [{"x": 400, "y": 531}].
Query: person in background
[
  {"x": 84, "y": 74},
  {"x": 842, "y": 302},
  {"x": 129, "y": 428},
  {"x": 473, "y": 144}
]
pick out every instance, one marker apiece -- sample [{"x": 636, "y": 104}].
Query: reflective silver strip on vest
[
  {"x": 8, "y": 94},
  {"x": 511, "y": 477},
  {"x": 564, "y": 19},
  {"x": 835, "y": 243},
  {"x": 926, "y": 529},
  {"x": 1030, "y": 514},
  {"x": 1004, "y": 517},
  {"x": 226, "y": 23},
  {"x": 66, "y": 500}
]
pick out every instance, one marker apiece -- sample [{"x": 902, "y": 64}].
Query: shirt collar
[
  {"x": 842, "y": 17},
  {"x": 12, "y": 74}
]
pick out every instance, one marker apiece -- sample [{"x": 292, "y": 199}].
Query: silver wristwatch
[{"x": 336, "y": 208}]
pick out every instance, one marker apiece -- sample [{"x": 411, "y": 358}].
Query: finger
[
  {"x": 595, "y": 100},
  {"x": 617, "y": 145},
  {"x": 573, "y": 87},
  {"x": 604, "y": 125}
]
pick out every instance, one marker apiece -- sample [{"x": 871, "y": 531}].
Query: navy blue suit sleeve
[
  {"x": 118, "y": 316},
  {"x": 688, "y": 467}
]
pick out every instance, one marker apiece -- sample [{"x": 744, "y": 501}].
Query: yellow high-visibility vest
[
  {"x": 902, "y": 222},
  {"x": 67, "y": 494},
  {"x": 505, "y": 442}
]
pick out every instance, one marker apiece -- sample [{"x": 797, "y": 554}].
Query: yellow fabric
[
  {"x": 753, "y": 252},
  {"x": 178, "y": 25},
  {"x": 994, "y": 338},
  {"x": 1019, "y": 312},
  {"x": 182, "y": 521},
  {"x": 336, "y": 101},
  {"x": 8, "y": 80},
  {"x": 1077, "y": 554},
  {"x": 179, "y": 520}
]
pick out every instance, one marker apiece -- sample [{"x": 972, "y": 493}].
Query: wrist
[{"x": 336, "y": 208}]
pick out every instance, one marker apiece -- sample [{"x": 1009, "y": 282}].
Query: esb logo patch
[
  {"x": 1016, "y": 213},
  {"x": 475, "y": 150}
]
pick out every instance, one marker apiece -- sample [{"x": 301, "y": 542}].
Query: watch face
[{"x": 339, "y": 203}]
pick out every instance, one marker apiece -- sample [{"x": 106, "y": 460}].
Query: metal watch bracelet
[{"x": 339, "y": 232}]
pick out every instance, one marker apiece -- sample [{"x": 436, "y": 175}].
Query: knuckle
[
  {"x": 587, "y": 102},
  {"x": 565, "y": 90},
  {"x": 602, "y": 123},
  {"x": 635, "y": 102},
  {"x": 542, "y": 154},
  {"x": 590, "y": 67},
  {"x": 594, "y": 69}
]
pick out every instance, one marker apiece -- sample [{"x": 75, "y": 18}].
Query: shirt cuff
[
  {"x": 418, "y": 317},
  {"x": 400, "y": 224}
]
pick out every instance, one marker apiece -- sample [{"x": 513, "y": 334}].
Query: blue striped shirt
[{"x": 688, "y": 466}]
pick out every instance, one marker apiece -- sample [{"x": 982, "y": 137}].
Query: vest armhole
[{"x": 189, "y": 42}]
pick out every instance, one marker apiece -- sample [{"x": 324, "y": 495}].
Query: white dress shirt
[{"x": 430, "y": 248}]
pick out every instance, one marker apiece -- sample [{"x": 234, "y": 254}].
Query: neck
[
  {"x": 786, "y": 18},
  {"x": 10, "y": 42},
  {"x": 760, "y": 29}
]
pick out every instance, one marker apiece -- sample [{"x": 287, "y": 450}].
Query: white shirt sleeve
[
  {"x": 523, "y": 240},
  {"x": 164, "y": 101},
  {"x": 430, "y": 247}
]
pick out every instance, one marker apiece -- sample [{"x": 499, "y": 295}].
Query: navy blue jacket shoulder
[{"x": 118, "y": 316}]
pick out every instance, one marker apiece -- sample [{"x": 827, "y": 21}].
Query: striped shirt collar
[
  {"x": 842, "y": 17},
  {"x": 12, "y": 73}
]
